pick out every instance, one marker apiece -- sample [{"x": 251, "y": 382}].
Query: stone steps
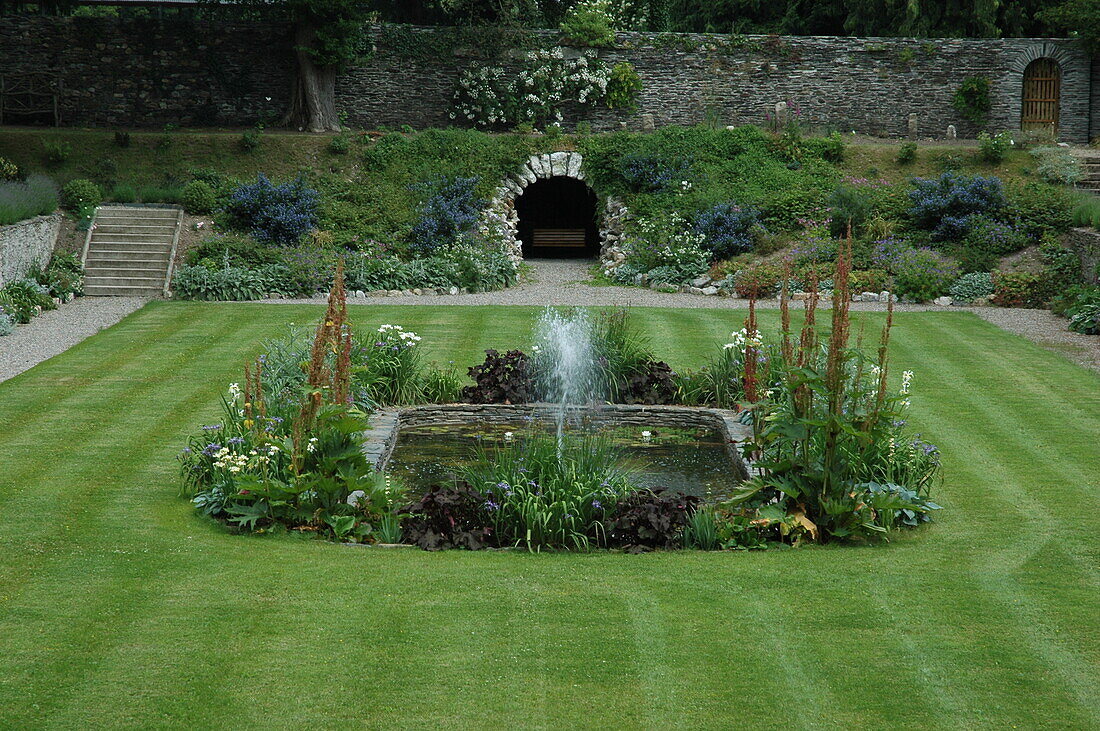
[{"x": 129, "y": 251}]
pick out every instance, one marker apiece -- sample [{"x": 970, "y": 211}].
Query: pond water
[{"x": 693, "y": 461}]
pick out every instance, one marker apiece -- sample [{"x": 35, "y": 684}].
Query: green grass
[{"x": 120, "y": 606}]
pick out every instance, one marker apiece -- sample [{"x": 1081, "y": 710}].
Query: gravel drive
[{"x": 55, "y": 331}]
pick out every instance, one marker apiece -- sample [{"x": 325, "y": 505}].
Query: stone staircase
[
  {"x": 129, "y": 251},
  {"x": 1090, "y": 166}
]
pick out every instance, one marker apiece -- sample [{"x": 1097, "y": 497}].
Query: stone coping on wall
[{"x": 386, "y": 424}]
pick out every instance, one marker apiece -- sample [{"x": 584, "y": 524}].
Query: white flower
[
  {"x": 235, "y": 390},
  {"x": 311, "y": 444},
  {"x": 508, "y": 436},
  {"x": 906, "y": 381},
  {"x": 647, "y": 435}
]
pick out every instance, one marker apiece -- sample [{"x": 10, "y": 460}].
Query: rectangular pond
[{"x": 694, "y": 460}]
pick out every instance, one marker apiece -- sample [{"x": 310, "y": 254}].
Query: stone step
[
  {"x": 154, "y": 237},
  {"x": 137, "y": 212},
  {"x": 135, "y": 247},
  {"x": 123, "y": 262},
  {"x": 92, "y": 290},
  {"x": 134, "y": 229},
  {"x": 155, "y": 282},
  {"x": 100, "y": 273}
]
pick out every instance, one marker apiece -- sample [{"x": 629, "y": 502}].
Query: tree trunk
[{"x": 313, "y": 97}]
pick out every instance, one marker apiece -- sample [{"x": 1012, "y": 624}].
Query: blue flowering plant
[
  {"x": 728, "y": 229},
  {"x": 447, "y": 216},
  {"x": 279, "y": 214},
  {"x": 944, "y": 205},
  {"x": 652, "y": 173}
]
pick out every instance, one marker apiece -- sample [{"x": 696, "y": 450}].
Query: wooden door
[{"x": 1042, "y": 87}]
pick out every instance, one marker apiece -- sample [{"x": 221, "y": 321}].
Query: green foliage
[
  {"x": 907, "y": 153},
  {"x": 970, "y": 287},
  {"x": 339, "y": 145},
  {"x": 198, "y": 196},
  {"x": 849, "y": 206},
  {"x": 757, "y": 281},
  {"x": 1080, "y": 17},
  {"x": 1056, "y": 165},
  {"x": 250, "y": 140},
  {"x": 589, "y": 23},
  {"x": 972, "y": 100},
  {"x": 22, "y": 299},
  {"x": 8, "y": 170},
  {"x": 992, "y": 148},
  {"x": 19, "y": 200},
  {"x": 623, "y": 87},
  {"x": 56, "y": 152},
  {"x": 1086, "y": 211},
  {"x": 539, "y": 494},
  {"x": 228, "y": 283},
  {"x": 1018, "y": 289},
  {"x": 63, "y": 276},
  {"x": 1037, "y": 209},
  {"x": 80, "y": 195}
]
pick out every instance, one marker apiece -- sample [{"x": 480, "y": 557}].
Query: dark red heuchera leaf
[
  {"x": 650, "y": 519},
  {"x": 447, "y": 517},
  {"x": 501, "y": 379}
]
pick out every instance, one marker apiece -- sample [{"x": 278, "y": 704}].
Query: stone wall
[
  {"x": 1086, "y": 242},
  {"x": 143, "y": 73},
  {"x": 147, "y": 72},
  {"x": 869, "y": 85},
  {"x": 27, "y": 245}
]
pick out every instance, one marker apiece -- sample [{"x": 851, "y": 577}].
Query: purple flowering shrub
[
  {"x": 918, "y": 274},
  {"x": 944, "y": 205},
  {"x": 651, "y": 173},
  {"x": 728, "y": 229},
  {"x": 274, "y": 214},
  {"x": 447, "y": 215}
]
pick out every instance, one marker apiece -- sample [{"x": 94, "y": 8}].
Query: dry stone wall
[
  {"x": 26, "y": 246},
  {"x": 149, "y": 72}
]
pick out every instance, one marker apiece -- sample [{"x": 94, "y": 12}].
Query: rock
[
  {"x": 912, "y": 125},
  {"x": 417, "y": 291},
  {"x": 354, "y": 497},
  {"x": 868, "y": 297},
  {"x": 710, "y": 291},
  {"x": 360, "y": 294},
  {"x": 647, "y": 123},
  {"x": 573, "y": 169},
  {"x": 452, "y": 291},
  {"x": 885, "y": 297},
  {"x": 464, "y": 290},
  {"x": 942, "y": 301},
  {"x": 559, "y": 163},
  {"x": 657, "y": 285},
  {"x": 395, "y": 293},
  {"x": 857, "y": 298},
  {"x": 700, "y": 281},
  {"x": 980, "y": 302},
  {"x": 377, "y": 293},
  {"x": 428, "y": 292},
  {"x": 951, "y": 133},
  {"x": 781, "y": 115},
  {"x": 694, "y": 290},
  {"x": 800, "y": 296}
]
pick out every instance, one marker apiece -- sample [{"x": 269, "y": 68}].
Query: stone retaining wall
[
  {"x": 27, "y": 246},
  {"x": 148, "y": 72},
  {"x": 385, "y": 425},
  {"x": 1086, "y": 242}
]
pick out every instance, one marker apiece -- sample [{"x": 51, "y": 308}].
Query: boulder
[
  {"x": 700, "y": 281},
  {"x": 868, "y": 297},
  {"x": 573, "y": 169},
  {"x": 710, "y": 291},
  {"x": 695, "y": 290},
  {"x": 942, "y": 301},
  {"x": 452, "y": 290}
]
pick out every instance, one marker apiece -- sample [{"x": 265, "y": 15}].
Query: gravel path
[
  {"x": 552, "y": 282},
  {"x": 567, "y": 282},
  {"x": 55, "y": 331}
]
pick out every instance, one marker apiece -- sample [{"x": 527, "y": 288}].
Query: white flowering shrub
[{"x": 488, "y": 96}]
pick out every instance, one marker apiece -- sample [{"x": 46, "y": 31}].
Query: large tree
[{"x": 326, "y": 39}]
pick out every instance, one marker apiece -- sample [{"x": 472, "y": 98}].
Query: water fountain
[{"x": 568, "y": 377}]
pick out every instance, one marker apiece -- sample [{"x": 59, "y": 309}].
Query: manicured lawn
[{"x": 119, "y": 606}]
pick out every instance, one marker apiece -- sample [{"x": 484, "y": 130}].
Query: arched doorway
[
  {"x": 1042, "y": 90},
  {"x": 557, "y": 219}
]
